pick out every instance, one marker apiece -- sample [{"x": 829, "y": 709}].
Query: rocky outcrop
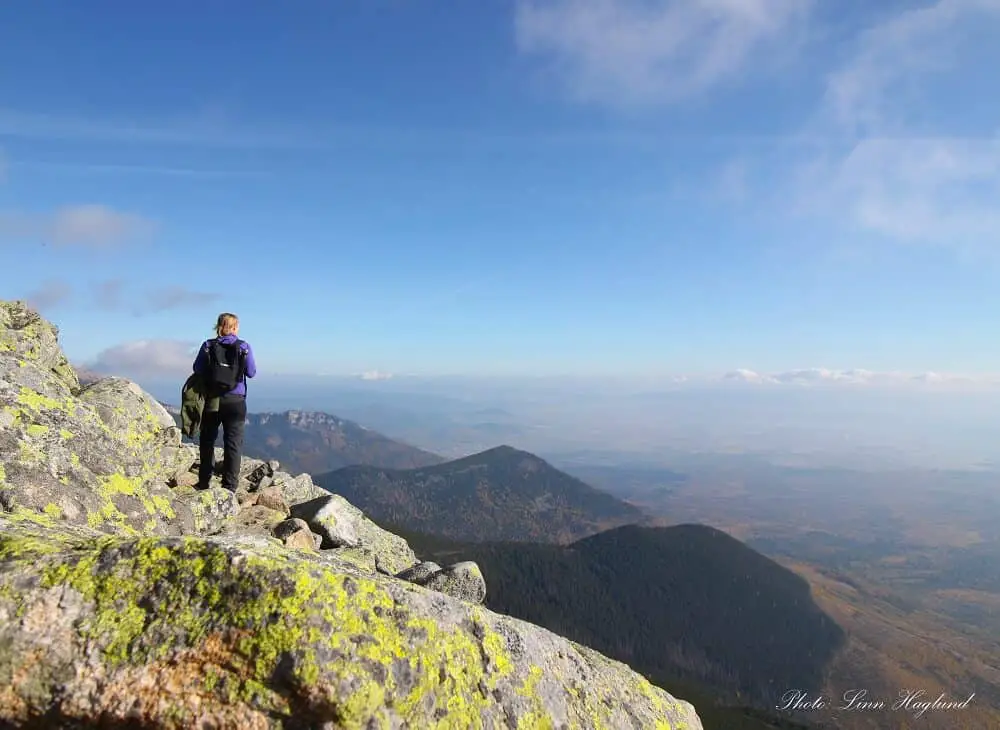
[
  {"x": 238, "y": 633},
  {"x": 130, "y": 598},
  {"x": 94, "y": 456}
]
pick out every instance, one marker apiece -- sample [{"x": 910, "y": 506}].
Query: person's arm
[
  {"x": 200, "y": 359},
  {"x": 251, "y": 369}
]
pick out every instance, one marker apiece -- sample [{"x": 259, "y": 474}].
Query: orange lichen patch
[
  {"x": 193, "y": 688},
  {"x": 11, "y": 698}
]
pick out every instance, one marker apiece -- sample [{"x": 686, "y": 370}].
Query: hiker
[{"x": 224, "y": 363}]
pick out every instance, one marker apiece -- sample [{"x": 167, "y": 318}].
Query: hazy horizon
[{"x": 868, "y": 427}]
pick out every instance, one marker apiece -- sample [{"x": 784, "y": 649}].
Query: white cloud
[
  {"x": 855, "y": 376},
  {"x": 905, "y": 162},
  {"x": 745, "y": 376},
  {"x": 883, "y": 85},
  {"x": 144, "y": 358},
  {"x": 375, "y": 375},
  {"x": 639, "y": 52},
  {"x": 92, "y": 226},
  {"x": 940, "y": 190},
  {"x": 50, "y": 293}
]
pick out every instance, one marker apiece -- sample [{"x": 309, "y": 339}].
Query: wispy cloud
[
  {"x": 108, "y": 294},
  {"x": 111, "y": 295},
  {"x": 90, "y": 226},
  {"x": 50, "y": 293},
  {"x": 197, "y": 130},
  {"x": 84, "y": 168},
  {"x": 174, "y": 297},
  {"x": 941, "y": 191},
  {"x": 642, "y": 52},
  {"x": 900, "y": 146},
  {"x": 145, "y": 358},
  {"x": 882, "y": 87},
  {"x": 906, "y": 163}
]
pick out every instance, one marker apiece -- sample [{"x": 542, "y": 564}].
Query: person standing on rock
[{"x": 224, "y": 363}]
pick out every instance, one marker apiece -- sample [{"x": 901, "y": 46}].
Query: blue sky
[{"x": 407, "y": 186}]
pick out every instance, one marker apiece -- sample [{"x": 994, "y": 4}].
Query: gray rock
[
  {"x": 322, "y": 626},
  {"x": 27, "y": 337},
  {"x": 213, "y": 508},
  {"x": 297, "y": 489},
  {"x": 333, "y": 518},
  {"x": 419, "y": 573},
  {"x": 255, "y": 520},
  {"x": 99, "y": 456},
  {"x": 463, "y": 581},
  {"x": 341, "y": 524},
  {"x": 288, "y": 527}
]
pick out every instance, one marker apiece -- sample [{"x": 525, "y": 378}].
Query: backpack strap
[{"x": 241, "y": 358}]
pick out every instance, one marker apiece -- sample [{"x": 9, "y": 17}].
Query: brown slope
[{"x": 893, "y": 647}]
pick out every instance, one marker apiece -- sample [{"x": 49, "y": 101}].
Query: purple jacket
[{"x": 201, "y": 361}]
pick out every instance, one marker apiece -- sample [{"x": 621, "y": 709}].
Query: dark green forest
[{"x": 693, "y": 609}]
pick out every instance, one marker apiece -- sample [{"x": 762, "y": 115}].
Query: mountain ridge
[
  {"x": 318, "y": 441},
  {"x": 132, "y": 599},
  {"x": 502, "y": 493}
]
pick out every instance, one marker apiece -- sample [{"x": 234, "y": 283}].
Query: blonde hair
[{"x": 226, "y": 324}]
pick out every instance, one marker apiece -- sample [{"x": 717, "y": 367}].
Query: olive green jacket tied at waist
[{"x": 194, "y": 403}]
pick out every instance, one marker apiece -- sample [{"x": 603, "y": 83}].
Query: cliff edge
[{"x": 130, "y": 599}]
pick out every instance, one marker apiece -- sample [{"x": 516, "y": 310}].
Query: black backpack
[{"x": 226, "y": 367}]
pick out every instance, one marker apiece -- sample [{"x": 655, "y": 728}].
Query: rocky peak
[{"x": 128, "y": 597}]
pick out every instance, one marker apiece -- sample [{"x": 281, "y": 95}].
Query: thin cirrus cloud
[
  {"x": 111, "y": 295},
  {"x": 86, "y": 226},
  {"x": 889, "y": 150},
  {"x": 640, "y": 53},
  {"x": 905, "y": 162},
  {"x": 193, "y": 131},
  {"x": 50, "y": 293}
]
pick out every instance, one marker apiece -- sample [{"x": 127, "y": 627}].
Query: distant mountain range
[
  {"x": 314, "y": 442},
  {"x": 498, "y": 494}
]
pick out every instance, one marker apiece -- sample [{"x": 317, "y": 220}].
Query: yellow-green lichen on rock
[
  {"x": 113, "y": 614},
  {"x": 178, "y": 631},
  {"x": 102, "y": 453},
  {"x": 24, "y": 334}
]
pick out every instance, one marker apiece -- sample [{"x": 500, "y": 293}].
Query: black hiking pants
[{"x": 232, "y": 416}]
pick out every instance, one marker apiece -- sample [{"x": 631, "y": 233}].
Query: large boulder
[
  {"x": 241, "y": 632},
  {"x": 342, "y": 525},
  {"x": 97, "y": 457},
  {"x": 297, "y": 489},
  {"x": 26, "y": 336}
]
